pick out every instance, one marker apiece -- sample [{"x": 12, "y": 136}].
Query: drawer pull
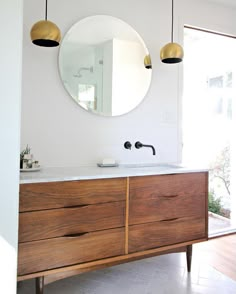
[
  {"x": 169, "y": 196},
  {"x": 76, "y": 206},
  {"x": 75, "y": 235},
  {"x": 169, "y": 220}
]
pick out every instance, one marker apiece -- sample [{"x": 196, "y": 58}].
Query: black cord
[
  {"x": 46, "y": 10},
  {"x": 172, "y": 25}
]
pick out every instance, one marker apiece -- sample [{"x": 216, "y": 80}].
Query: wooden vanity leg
[
  {"x": 39, "y": 283},
  {"x": 189, "y": 257}
]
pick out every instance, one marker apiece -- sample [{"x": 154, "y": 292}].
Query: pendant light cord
[
  {"x": 172, "y": 24},
  {"x": 46, "y": 10}
]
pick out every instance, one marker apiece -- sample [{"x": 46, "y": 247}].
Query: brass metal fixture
[
  {"x": 147, "y": 61},
  {"x": 172, "y": 52},
  {"x": 45, "y": 33}
]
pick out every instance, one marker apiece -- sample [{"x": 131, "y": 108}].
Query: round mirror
[{"x": 105, "y": 65}]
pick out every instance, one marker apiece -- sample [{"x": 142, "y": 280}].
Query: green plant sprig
[{"x": 25, "y": 151}]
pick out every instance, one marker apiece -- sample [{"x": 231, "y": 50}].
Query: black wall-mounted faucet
[
  {"x": 127, "y": 145},
  {"x": 139, "y": 145}
]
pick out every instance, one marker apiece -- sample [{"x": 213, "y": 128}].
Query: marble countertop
[{"x": 55, "y": 174}]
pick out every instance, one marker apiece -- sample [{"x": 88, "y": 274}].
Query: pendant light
[
  {"x": 172, "y": 52},
  {"x": 147, "y": 62},
  {"x": 45, "y": 33}
]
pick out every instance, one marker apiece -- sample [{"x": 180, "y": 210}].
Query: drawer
[
  {"x": 58, "y": 252},
  {"x": 165, "y": 207},
  {"x": 169, "y": 232},
  {"x": 45, "y": 224},
  {"x": 50, "y": 195},
  {"x": 149, "y": 187},
  {"x": 156, "y": 198}
]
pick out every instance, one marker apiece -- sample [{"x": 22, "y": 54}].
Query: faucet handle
[
  {"x": 138, "y": 145},
  {"x": 127, "y": 145}
]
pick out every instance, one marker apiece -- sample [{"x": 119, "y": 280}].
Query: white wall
[
  {"x": 11, "y": 16},
  {"x": 61, "y": 133}
]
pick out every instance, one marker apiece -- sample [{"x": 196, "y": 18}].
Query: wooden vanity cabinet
[{"x": 70, "y": 227}]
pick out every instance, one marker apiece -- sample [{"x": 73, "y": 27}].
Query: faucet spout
[
  {"x": 139, "y": 145},
  {"x": 153, "y": 149}
]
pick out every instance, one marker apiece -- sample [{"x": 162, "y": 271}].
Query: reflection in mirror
[{"x": 101, "y": 63}]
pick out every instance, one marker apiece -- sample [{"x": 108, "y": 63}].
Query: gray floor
[
  {"x": 217, "y": 223},
  {"x": 159, "y": 275}
]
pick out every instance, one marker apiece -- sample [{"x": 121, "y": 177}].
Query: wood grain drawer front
[
  {"x": 158, "y": 234},
  {"x": 154, "y": 198},
  {"x": 167, "y": 185},
  {"x": 40, "y": 196},
  {"x": 45, "y": 224},
  {"x": 162, "y": 208},
  {"x": 58, "y": 252}
]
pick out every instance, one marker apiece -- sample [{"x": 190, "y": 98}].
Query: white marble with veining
[{"x": 55, "y": 174}]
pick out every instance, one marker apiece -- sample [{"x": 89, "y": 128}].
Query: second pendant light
[{"x": 172, "y": 52}]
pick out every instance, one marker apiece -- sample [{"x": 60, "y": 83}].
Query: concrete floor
[
  {"x": 165, "y": 274},
  {"x": 219, "y": 224}
]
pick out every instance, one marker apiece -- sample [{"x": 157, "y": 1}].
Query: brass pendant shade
[
  {"x": 45, "y": 33},
  {"x": 172, "y": 52},
  {"x": 147, "y": 61}
]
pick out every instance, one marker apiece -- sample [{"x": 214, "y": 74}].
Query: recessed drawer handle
[
  {"x": 169, "y": 220},
  {"x": 76, "y": 206},
  {"x": 75, "y": 235},
  {"x": 169, "y": 196}
]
